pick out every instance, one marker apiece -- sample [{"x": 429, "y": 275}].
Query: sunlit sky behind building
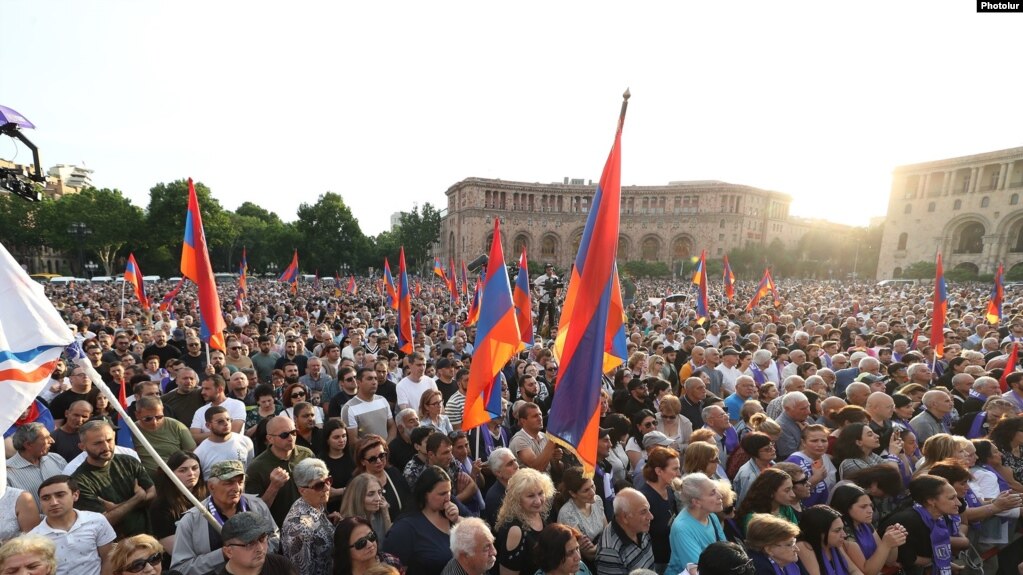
[{"x": 390, "y": 103}]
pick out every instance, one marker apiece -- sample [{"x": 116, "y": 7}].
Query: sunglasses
[
  {"x": 286, "y": 434},
  {"x": 362, "y": 542},
  {"x": 802, "y": 481},
  {"x": 349, "y": 379},
  {"x": 319, "y": 485},
  {"x": 138, "y": 565},
  {"x": 251, "y": 544},
  {"x": 236, "y": 347},
  {"x": 377, "y": 458},
  {"x": 152, "y": 418},
  {"x": 729, "y": 510},
  {"x": 298, "y": 394}
]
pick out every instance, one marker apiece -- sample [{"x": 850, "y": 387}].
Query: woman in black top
[
  {"x": 338, "y": 461},
  {"x": 931, "y": 524},
  {"x": 170, "y": 503}
]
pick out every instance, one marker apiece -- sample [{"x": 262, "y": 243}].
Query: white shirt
[
  {"x": 237, "y": 447},
  {"x": 410, "y": 392},
  {"x": 728, "y": 377},
  {"x": 77, "y": 548},
  {"x": 235, "y": 408}
]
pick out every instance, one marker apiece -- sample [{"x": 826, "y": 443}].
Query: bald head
[{"x": 857, "y": 392}]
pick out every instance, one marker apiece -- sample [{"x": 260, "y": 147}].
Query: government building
[
  {"x": 669, "y": 224},
  {"x": 967, "y": 207}
]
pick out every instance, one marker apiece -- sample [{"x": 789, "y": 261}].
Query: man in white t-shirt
[
  {"x": 222, "y": 444},
  {"x": 412, "y": 387},
  {"x": 83, "y": 538},
  {"x": 368, "y": 413},
  {"x": 213, "y": 392}
]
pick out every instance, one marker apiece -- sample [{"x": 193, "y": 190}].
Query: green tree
[
  {"x": 18, "y": 218},
  {"x": 920, "y": 270},
  {"x": 165, "y": 224},
  {"x": 418, "y": 231},
  {"x": 330, "y": 235},
  {"x": 112, "y": 220}
]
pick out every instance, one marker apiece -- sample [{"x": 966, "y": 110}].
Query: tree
[
  {"x": 18, "y": 219},
  {"x": 920, "y": 270},
  {"x": 330, "y": 235},
  {"x": 165, "y": 222},
  {"x": 112, "y": 220},
  {"x": 418, "y": 231}
]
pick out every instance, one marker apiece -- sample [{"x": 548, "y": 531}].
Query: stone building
[
  {"x": 968, "y": 207},
  {"x": 668, "y": 224}
]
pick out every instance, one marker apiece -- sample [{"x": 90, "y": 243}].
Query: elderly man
[
  {"x": 33, "y": 463},
  {"x": 711, "y": 360},
  {"x": 983, "y": 388},
  {"x": 937, "y": 405},
  {"x": 247, "y": 550},
  {"x": 693, "y": 401},
  {"x": 400, "y": 449},
  {"x": 197, "y": 548},
  {"x": 763, "y": 369},
  {"x": 745, "y": 390},
  {"x": 472, "y": 548},
  {"x": 796, "y": 358},
  {"x": 880, "y": 407},
  {"x": 920, "y": 373},
  {"x": 865, "y": 364},
  {"x": 715, "y": 418},
  {"x": 856, "y": 393},
  {"x": 111, "y": 483},
  {"x": 503, "y": 464},
  {"x": 65, "y": 437},
  {"x": 315, "y": 378},
  {"x": 792, "y": 421},
  {"x": 791, "y": 383},
  {"x": 165, "y": 434},
  {"x": 961, "y": 384},
  {"x": 696, "y": 360},
  {"x": 625, "y": 545},
  {"x": 269, "y": 474}
]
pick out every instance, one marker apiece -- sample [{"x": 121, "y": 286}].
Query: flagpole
[
  {"x": 122, "y": 298},
  {"x": 115, "y": 402}
]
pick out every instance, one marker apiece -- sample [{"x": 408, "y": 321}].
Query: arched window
[
  {"x": 651, "y": 249},
  {"x": 908, "y": 209},
  {"x": 548, "y": 247},
  {"x": 985, "y": 201},
  {"x": 931, "y": 206},
  {"x": 903, "y": 239},
  {"x": 971, "y": 239},
  {"x": 958, "y": 204},
  {"x": 1014, "y": 199}
]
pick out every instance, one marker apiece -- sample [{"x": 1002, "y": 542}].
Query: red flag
[
  {"x": 1010, "y": 366},
  {"x": 940, "y": 308},
  {"x": 452, "y": 280},
  {"x": 729, "y": 281},
  {"x": 765, "y": 288},
  {"x": 994, "y": 306},
  {"x": 196, "y": 266},
  {"x": 702, "y": 301},
  {"x": 133, "y": 275},
  {"x": 352, "y": 288},
  {"x": 392, "y": 293}
]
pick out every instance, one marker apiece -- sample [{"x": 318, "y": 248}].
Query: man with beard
[
  {"x": 400, "y": 449},
  {"x": 161, "y": 349},
  {"x": 222, "y": 444},
  {"x": 115, "y": 485},
  {"x": 639, "y": 396},
  {"x": 348, "y": 389},
  {"x": 185, "y": 399},
  {"x": 269, "y": 474},
  {"x": 165, "y": 434},
  {"x": 291, "y": 355},
  {"x": 265, "y": 359},
  {"x": 213, "y": 391}
]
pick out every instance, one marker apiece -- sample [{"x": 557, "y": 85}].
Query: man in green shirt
[
  {"x": 113, "y": 484},
  {"x": 269, "y": 474},
  {"x": 165, "y": 434}
]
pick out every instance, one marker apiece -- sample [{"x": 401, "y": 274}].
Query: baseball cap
[
  {"x": 224, "y": 470},
  {"x": 655, "y": 438},
  {"x": 870, "y": 378},
  {"x": 245, "y": 527},
  {"x": 443, "y": 363},
  {"x": 603, "y": 432},
  {"x": 636, "y": 383}
]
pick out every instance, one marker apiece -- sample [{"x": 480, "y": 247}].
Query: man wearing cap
[
  {"x": 650, "y": 440},
  {"x": 198, "y": 548},
  {"x": 639, "y": 398},
  {"x": 247, "y": 550},
  {"x": 445, "y": 380},
  {"x": 729, "y": 370}
]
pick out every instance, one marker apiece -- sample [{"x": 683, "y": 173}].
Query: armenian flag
[
  {"x": 1010, "y": 366},
  {"x": 452, "y": 280},
  {"x": 352, "y": 288},
  {"x": 168, "y": 299},
  {"x": 497, "y": 340},
  {"x": 994, "y": 306},
  {"x": 765, "y": 288},
  {"x": 404, "y": 307},
  {"x": 195, "y": 265},
  {"x": 589, "y": 318},
  {"x": 523, "y": 301},
  {"x": 392, "y": 293},
  {"x": 438, "y": 269},
  {"x": 133, "y": 275},
  {"x": 243, "y": 281},
  {"x": 699, "y": 275},
  {"x": 290, "y": 275},
  {"x": 473, "y": 315},
  {"x": 939, "y": 310},
  {"x": 702, "y": 303},
  {"x": 729, "y": 281}
]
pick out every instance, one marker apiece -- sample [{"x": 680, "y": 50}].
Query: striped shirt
[
  {"x": 618, "y": 555},
  {"x": 27, "y": 476},
  {"x": 455, "y": 408}
]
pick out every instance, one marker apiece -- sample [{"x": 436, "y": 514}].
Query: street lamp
[
  {"x": 79, "y": 231},
  {"x": 92, "y": 267}
]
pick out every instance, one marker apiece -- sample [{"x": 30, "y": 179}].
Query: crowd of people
[{"x": 820, "y": 434}]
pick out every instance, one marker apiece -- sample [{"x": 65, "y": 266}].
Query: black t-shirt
[
  {"x": 275, "y": 565},
  {"x": 337, "y": 402},
  {"x": 61, "y": 403},
  {"x": 165, "y": 353},
  {"x": 65, "y": 444},
  {"x": 918, "y": 539},
  {"x": 446, "y": 389}
]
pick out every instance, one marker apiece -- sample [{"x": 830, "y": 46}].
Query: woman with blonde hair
[
  {"x": 672, "y": 423},
  {"x": 523, "y": 515},
  {"x": 701, "y": 457},
  {"x": 937, "y": 447},
  {"x": 137, "y": 554},
  {"x": 364, "y": 497},
  {"x": 30, "y": 554},
  {"x": 746, "y": 413},
  {"x": 431, "y": 405},
  {"x": 638, "y": 364}
]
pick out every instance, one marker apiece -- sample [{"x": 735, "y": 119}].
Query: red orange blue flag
[
  {"x": 168, "y": 299},
  {"x": 589, "y": 317},
  {"x": 994, "y": 306},
  {"x": 404, "y": 307},
  {"x": 729, "y": 280},
  {"x": 32, "y": 337},
  {"x": 196, "y": 266},
  {"x": 473, "y": 315},
  {"x": 497, "y": 340},
  {"x": 939, "y": 310},
  {"x": 702, "y": 303},
  {"x": 392, "y": 293},
  {"x": 352, "y": 288},
  {"x": 438, "y": 269},
  {"x": 133, "y": 275},
  {"x": 523, "y": 301},
  {"x": 766, "y": 288},
  {"x": 699, "y": 273},
  {"x": 290, "y": 274},
  {"x": 452, "y": 280},
  {"x": 1010, "y": 366},
  {"x": 243, "y": 281}
]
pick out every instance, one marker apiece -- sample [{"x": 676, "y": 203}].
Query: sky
[{"x": 391, "y": 103}]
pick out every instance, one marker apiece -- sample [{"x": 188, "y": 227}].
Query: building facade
[
  {"x": 967, "y": 207},
  {"x": 667, "y": 224}
]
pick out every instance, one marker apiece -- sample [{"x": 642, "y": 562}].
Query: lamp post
[
  {"x": 79, "y": 231},
  {"x": 91, "y": 267}
]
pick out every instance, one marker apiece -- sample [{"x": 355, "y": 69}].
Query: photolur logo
[{"x": 1004, "y": 6}]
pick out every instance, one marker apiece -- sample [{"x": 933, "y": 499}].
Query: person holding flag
[{"x": 765, "y": 288}]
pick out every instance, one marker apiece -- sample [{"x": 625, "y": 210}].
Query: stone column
[
  {"x": 989, "y": 255},
  {"x": 974, "y": 180},
  {"x": 1003, "y": 173}
]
